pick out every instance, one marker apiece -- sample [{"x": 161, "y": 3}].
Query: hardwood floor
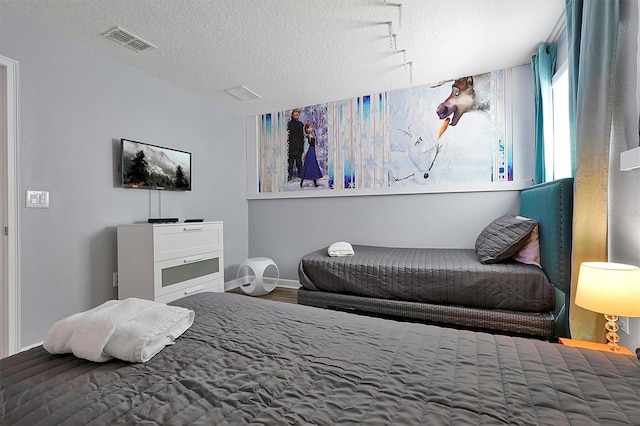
[{"x": 280, "y": 294}]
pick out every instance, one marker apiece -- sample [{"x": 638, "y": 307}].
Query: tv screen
[{"x": 154, "y": 167}]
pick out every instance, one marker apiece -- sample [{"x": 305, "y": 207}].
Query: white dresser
[{"x": 164, "y": 262}]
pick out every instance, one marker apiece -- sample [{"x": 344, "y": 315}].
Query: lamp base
[{"x": 612, "y": 332}]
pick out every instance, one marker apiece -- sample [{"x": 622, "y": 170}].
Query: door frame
[{"x": 10, "y": 279}]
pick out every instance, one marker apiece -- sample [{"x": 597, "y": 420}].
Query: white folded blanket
[
  {"x": 340, "y": 248},
  {"x": 132, "y": 330}
]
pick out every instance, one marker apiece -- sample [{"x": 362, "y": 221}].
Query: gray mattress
[
  {"x": 249, "y": 361},
  {"x": 427, "y": 275}
]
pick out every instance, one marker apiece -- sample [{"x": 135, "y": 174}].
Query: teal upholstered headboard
[{"x": 551, "y": 204}]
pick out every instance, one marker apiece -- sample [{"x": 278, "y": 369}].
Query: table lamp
[{"x": 611, "y": 289}]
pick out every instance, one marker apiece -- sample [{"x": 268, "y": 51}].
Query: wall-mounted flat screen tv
[{"x": 154, "y": 167}]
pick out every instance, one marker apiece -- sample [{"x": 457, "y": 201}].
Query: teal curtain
[
  {"x": 592, "y": 34},
  {"x": 573, "y": 11},
  {"x": 542, "y": 67}
]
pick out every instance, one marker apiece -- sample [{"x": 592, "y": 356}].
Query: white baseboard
[
  {"x": 230, "y": 285},
  {"x": 26, "y": 348}
]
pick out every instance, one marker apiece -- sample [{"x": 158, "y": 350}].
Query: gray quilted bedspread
[
  {"x": 249, "y": 361},
  {"x": 438, "y": 276}
]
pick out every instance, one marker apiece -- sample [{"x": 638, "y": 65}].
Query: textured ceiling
[{"x": 303, "y": 52}]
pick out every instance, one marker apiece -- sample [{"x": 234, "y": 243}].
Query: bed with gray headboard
[{"x": 482, "y": 288}]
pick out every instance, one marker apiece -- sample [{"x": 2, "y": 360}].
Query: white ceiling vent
[
  {"x": 243, "y": 93},
  {"x": 132, "y": 41}
]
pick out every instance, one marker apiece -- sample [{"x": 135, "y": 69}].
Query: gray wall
[
  {"x": 75, "y": 105},
  {"x": 624, "y": 192},
  {"x": 285, "y": 229}
]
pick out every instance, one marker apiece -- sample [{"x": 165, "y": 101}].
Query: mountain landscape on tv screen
[{"x": 147, "y": 166}]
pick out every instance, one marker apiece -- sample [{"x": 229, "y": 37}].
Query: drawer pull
[
  {"x": 193, "y": 289},
  {"x": 193, "y": 229},
  {"x": 193, "y": 259}
]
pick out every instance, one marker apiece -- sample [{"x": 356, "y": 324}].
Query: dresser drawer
[
  {"x": 182, "y": 240},
  {"x": 184, "y": 272},
  {"x": 215, "y": 286}
]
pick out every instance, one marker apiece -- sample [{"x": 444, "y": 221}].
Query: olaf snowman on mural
[{"x": 423, "y": 154}]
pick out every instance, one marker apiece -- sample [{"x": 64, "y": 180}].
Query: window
[{"x": 558, "y": 149}]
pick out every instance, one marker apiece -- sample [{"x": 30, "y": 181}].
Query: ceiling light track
[
  {"x": 399, "y": 6},
  {"x": 393, "y": 39}
]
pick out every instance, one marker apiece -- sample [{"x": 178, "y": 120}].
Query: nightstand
[{"x": 603, "y": 347}]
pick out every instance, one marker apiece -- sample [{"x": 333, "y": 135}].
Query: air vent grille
[
  {"x": 242, "y": 93},
  {"x": 130, "y": 40}
]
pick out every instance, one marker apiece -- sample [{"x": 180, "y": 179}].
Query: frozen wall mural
[{"x": 452, "y": 133}]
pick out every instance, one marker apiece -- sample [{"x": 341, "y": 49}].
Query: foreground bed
[
  {"x": 453, "y": 286},
  {"x": 246, "y": 360}
]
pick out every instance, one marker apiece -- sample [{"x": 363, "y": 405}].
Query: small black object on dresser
[{"x": 163, "y": 220}]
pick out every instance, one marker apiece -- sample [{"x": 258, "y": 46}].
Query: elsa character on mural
[{"x": 310, "y": 168}]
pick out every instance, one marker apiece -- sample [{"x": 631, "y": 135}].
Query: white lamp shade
[{"x": 609, "y": 288}]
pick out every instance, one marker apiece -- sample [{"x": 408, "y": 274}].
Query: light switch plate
[
  {"x": 623, "y": 324},
  {"x": 38, "y": 199},
  {"x": 630, "y": 160}
]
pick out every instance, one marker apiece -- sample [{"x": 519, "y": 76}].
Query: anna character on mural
[{"x": 310, "y": 167}]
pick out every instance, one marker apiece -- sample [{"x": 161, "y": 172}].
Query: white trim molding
[{"x": 11, "y": 277}]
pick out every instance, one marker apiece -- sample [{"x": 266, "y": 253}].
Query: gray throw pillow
[{"x": 503, "y": 237}]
